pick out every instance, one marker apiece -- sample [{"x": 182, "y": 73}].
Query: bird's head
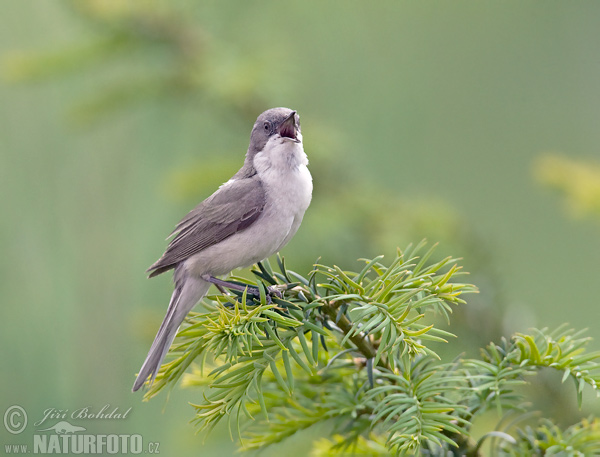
[{"x": 275, "y": 124}]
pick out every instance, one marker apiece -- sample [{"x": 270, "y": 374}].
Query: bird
[{"x": 249, "y": 218}]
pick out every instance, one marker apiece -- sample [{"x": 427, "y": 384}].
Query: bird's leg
[
  {"x": 222, "y": 289},
  {"x": 220, "y": 283}
]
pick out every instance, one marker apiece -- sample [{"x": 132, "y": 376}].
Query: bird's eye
[{"x": 267, "y": 126}]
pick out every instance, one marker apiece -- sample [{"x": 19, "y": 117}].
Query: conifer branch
[{"x": 274, "y": 368}]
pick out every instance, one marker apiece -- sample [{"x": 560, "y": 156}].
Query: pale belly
[
  {"x": 287, "y": 199},
  {"x": 259, "y": 241}
]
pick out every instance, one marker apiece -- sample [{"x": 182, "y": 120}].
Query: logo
[{"x": 65, "y": 437}]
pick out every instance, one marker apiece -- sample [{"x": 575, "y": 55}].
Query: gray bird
[{"x": 249, "y": 218}]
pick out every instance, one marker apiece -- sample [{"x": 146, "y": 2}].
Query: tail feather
[{"x": 187, "y": 293}]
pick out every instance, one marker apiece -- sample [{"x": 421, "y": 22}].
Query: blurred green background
[{"x": 446, "y": 120}]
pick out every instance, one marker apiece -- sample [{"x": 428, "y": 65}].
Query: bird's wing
[{"x": 234, "y": 207}]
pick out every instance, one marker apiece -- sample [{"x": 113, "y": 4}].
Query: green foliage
[
  {"x": 576, "y": 180},
  {"x": 503, "y": 367},
  {"x": 351, "y": 350},
  {"x": 414, "y": 406},
  {"x": 581, "y": 439},
  {"x": 372, "y": 446}
]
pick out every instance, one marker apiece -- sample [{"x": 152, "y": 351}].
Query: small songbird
[{"x": 249, "y": 218}]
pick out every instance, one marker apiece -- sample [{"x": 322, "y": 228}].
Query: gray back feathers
[{"x": 232, "y": 208}]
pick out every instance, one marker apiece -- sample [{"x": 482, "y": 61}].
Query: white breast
[{"x": 282, "y": 168}]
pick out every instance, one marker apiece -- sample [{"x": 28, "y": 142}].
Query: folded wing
[{"x": 231, "y": 209}]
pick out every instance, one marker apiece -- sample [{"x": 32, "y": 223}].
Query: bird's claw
[{"x": 272, "y": 291}]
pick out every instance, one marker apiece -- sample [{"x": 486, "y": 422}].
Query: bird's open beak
[{"x": 289, "y": 128}]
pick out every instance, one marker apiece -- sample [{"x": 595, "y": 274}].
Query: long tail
[{"x": 188, "y": 291}]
